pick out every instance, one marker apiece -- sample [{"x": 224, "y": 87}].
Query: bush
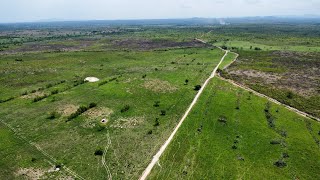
[
  {"x": 290, "y": 95},
  {"x": 39, "y": 98},
  {"x": 280, "y": 164},
  {"x": 149, "y": 132},
  {"x": 79, "y": 111},
  {"x": 52, "y": 115},
  {"x": 186, "y": 82},
  {"x": 157, "y": 123},
  {"x": 197, "y": 87},
  {"x": 24, "y": 93},
  {"x": 125, "y": 108},
  {"x": 49, "y": 85},
  {"x": 163, "y": 113},
  {"x": 274, "y": 142},
  {"x": 285, "y": 155},
  {"x": 92, "y": 105},
  {"x": 54, "y": 92},
  {"x": 98, "y": 152},
  {"x": 223, "y": 119},
  {"x": 224, "y": 47},
  {"x": 257, "y": 49},
  {"x": 144, "y": 76},
  {"x": 103, "y": 83},
  {"x": 156, "y": 104}
]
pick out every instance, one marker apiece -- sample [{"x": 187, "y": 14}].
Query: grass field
[
  {"x": 247, "y": 45},
  {"x": 131, "y": 85},
  {"x": 228, "y": 136}
]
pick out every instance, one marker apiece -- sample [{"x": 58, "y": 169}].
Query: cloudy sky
[{"x": 35, "y": 10}]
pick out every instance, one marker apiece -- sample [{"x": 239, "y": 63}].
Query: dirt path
[{"x": 165, "y": 145}]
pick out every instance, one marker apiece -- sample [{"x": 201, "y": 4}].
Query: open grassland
[
  {"x": 233, "y": 134},
  {"x": 141, "y": 94}
]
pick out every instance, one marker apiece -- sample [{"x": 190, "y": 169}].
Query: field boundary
[{"x": 156, "y": 157}]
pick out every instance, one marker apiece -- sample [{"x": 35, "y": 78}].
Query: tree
[{"x": 197, "y": 87}]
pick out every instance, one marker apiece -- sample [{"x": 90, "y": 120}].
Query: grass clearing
[{"x": 239, "y": 145}]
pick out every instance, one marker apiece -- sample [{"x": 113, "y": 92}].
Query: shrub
[
  {"x": 274, "y": 142},
  {"x": 24, "y": 93},
  {"x": 103, "y": 83},
  {"x": 197, "y": 87},
  {"x": 98, "y": 152},
  {"x": 54, "y": 92},
  {"x": 234, "y": 147},
  {"x": 149, "y": 132},
  {"x": 290, "y": 95},
  {"x": 33, "y": 159},
  {"x": 223, "y": 119},
  {"x": 52, "y": 115},
  {"x": 18, "y": 60},
  {"x": 125, "y": 108},
  {"x": 224, "y": 47},
  {"x": 92, "y": 105},
  {"x": 33, "y": 91},
  {"x": 39, "y": 98},
  {"x": 186, "y": 82},
  {"x": 157, "y": 123},
  {"x": 285, "y": 155},
  {"x": 257, "y": 49},
  {"x": 156, "y": 104},
  {"x": 49, "y": 85},
  {"x": 280, "y": 163},
  {"x": 163, "y": 113},
  {"x": 144, "y": 76},
  {"x": 79, "y": 111}
]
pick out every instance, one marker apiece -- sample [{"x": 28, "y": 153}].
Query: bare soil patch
[
  {"x": 33, "y": 95},
  {"x": 67, "y": 110},
  {"x": 30, "y": 173},
  {"x": 160, "y": 86},
  {"x": 147, "y": 44},
  {"x": 127, "y": 122}
]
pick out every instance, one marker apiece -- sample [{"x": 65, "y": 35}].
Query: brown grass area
[
  {"x": 30, "y": 173},
  {"x": 159, "y": 86},
  {"x": 130, "y": 122},
  {"x": 67, "y": 110}
]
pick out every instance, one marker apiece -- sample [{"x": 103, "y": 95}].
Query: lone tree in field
[
  {"x": 197, "y": 87},
  {"x": 186, "y": 82}
]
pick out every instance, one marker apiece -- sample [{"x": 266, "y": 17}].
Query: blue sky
[{"x": 34, "y": 10}]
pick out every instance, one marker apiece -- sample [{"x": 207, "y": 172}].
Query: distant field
[{"x": 232, "y": 134}]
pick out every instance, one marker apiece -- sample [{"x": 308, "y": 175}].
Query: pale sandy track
[{"x": 156, "y": 157}]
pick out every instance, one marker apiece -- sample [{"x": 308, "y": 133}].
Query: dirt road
[{"x": 165, "y": 145}]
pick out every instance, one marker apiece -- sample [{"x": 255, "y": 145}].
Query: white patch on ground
[{"x": 91, "y": 79}]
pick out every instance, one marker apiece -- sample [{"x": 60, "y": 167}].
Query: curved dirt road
[{"x": 155, "y": 158}]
